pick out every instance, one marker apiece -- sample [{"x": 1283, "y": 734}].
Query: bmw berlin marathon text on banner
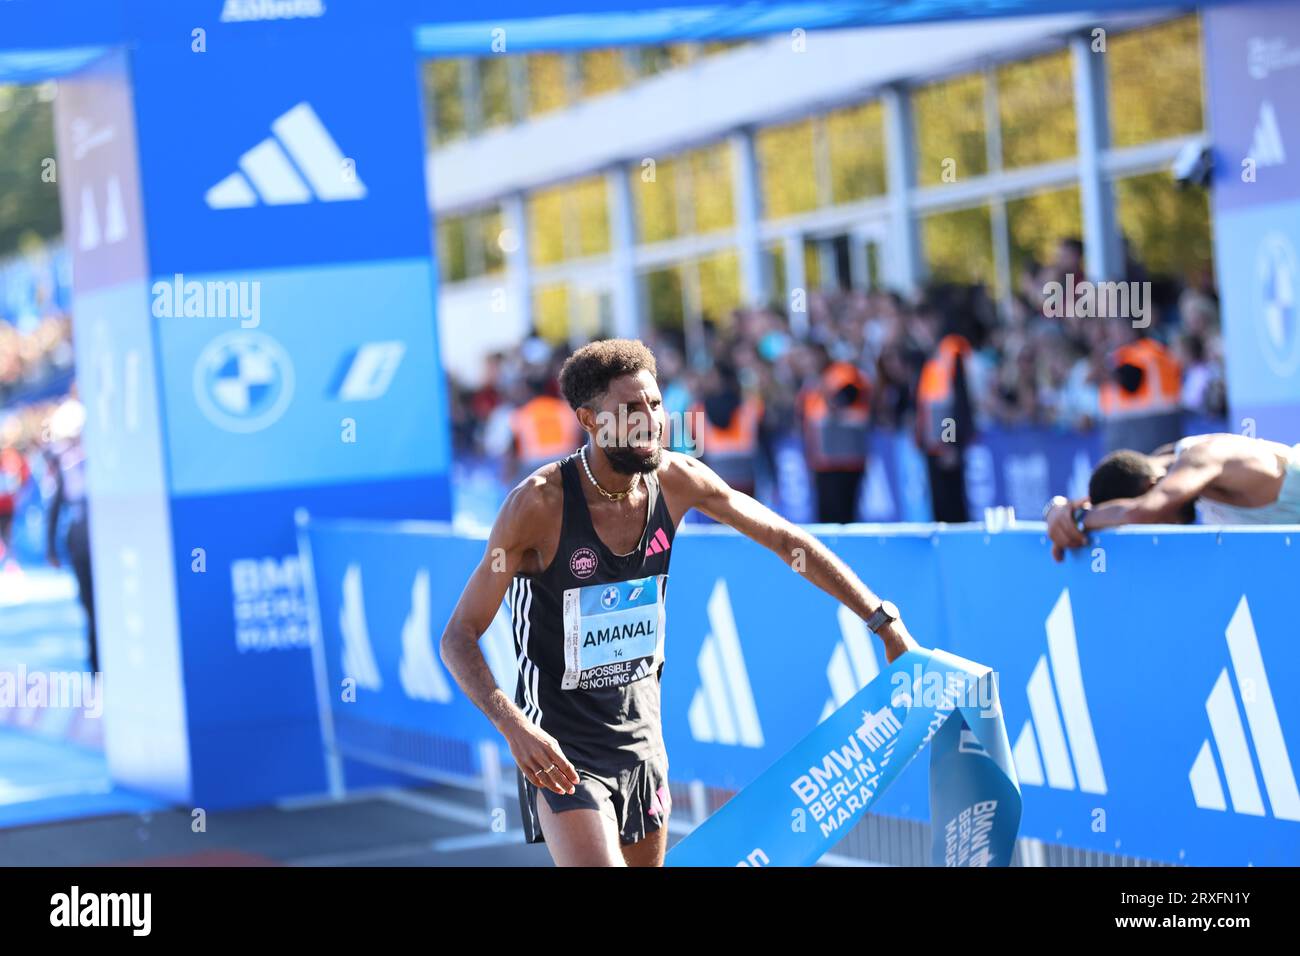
[
  {"x": 273, "y": 349},
  {"x": 809, "y": 799}
]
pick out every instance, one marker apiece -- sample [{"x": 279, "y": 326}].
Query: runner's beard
[{"x": 627, "y": 461}]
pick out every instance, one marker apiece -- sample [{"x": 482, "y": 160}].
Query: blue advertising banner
[
  {"x": 255, "y": 294},
  {"x": 1139, "y": 722},
  {"x": 1252, "y": 60}
]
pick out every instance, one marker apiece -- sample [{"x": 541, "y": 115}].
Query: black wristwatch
[
  {"x": 883, "y": 616},
  {"x": 1077, "y": 516}
]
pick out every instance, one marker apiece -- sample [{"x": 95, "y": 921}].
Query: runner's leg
[
  {"x": 580, "y": 837},
  {"x": 649, "y": 850}
]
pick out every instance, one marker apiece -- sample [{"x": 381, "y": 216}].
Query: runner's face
[{"x": 630, "y": 423}]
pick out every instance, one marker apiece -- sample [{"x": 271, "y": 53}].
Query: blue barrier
[{"x": 1141, "y": 680}]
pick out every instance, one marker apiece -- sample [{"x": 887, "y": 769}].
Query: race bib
[{"x": 613, "y": 633}]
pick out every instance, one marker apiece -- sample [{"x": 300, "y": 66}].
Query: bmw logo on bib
[
  {"x": 609, "y": 598},
  {"x": 243, "y": 381}
]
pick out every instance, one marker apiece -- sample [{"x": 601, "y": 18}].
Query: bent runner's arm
[
  {"x": 1186, "y": 479},
  {"x": 477, "y": 607},
  {"x": 512, "y": 536},
  {"x": 795, "y": 546}
]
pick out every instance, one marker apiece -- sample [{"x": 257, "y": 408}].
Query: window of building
[
  {"x": 719, "y": 287},
  {"x": 711, "y": 193},
  {"x": 949, "y": 128},
  {"x": 451, "y": 249},
  {"x": 1037, "y": 223},
  {"x": 654, "y": 194},
  {"x": 661, "y": 294},
  {"x": 548, "y": 83},
  {"x": 689, "y": 193},
  {"x": 568, "y": 221},
  {"x": 495, "y": 93},
  {"x": 469, "y": 245},
  {"x": 812, "y": 267},
  {"x": 592, "y": 313},
  {"x": 1154, "y": 81},
  {"x": 589, "y": 200},
  {"x": 959, "y": 246},
  {"x": 1167, "y": 228},
  {"x": 551, "y": 312},
  {"x": 660, "y": 57},
  {"x": 787, "y": 173},
  {"x": 856, "y": 140},
  {"x": 603, "y": 71},
  {"x": 1036, "y": 110},
  {"x": 777, "y": 278},
  {"x": 490, "y": 227},
  {"x": 444, "y": 97},
  {"x": 546, "y": 226}
]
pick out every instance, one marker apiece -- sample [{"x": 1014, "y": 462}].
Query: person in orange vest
[
  {"x": 945, "y": 423},
  {"x": 1140, "y": 400},
  {"x": 836, "y": 417},
  {"x": 14, "y": 473},
  {"x": 726, "y": 422},
  {"x": 544, "y": 429}
]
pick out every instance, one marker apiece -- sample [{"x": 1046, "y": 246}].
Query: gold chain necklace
[{"x": 619, "y": 496}]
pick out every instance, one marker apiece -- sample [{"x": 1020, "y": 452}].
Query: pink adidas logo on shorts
[{"x": 660, "y": 802}]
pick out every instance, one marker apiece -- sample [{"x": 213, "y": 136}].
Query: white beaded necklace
[{"x": 619, "y": 496}]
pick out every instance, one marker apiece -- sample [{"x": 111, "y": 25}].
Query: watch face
[{"x": 889, "y": 608}]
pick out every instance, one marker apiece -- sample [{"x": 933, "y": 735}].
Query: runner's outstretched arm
[{"x": 796, "y": 547}]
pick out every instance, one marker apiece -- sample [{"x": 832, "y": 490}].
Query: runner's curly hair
[{"x": 586, "y": 373}]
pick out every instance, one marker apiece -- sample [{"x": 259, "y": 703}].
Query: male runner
[
  {"x": 1230, "y": 478},
  {"x": 583, "y": 545}
]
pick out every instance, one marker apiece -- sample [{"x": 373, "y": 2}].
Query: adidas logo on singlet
[{"x": 658, "y": 543}]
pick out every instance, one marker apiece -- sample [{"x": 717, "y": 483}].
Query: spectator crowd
[
  {"x": 1024, "y": 366},
  {"x": 34, "y": 360}
]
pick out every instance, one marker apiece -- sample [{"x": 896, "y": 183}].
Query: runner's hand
[
  {"x": 1061, "y": 529},
  {"x": 535, "y": 750}
]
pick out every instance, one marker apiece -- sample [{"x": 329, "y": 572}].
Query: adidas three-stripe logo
[
  {"x": 657, "y": 543},
  {"x": 358, "y": 653},
  {"x": 722, "y": 710},
  {"x": 1266, "y": 147},
  {"x": 853, "y": 663},
  {"x": 421, "y": 675},
  {"x": 1230, "y": 736},
  {"x": 1045, "y": 727},
  {"x": 299, "y": 163}
]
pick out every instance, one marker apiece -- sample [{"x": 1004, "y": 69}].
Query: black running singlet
[{"x": 589, "y": 635}]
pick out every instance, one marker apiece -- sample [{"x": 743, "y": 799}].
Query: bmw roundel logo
[
  {"x": 609, "y": 598},
  {"x": 1277, "y": 319},
  {"x": 243, "y": 381}
]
